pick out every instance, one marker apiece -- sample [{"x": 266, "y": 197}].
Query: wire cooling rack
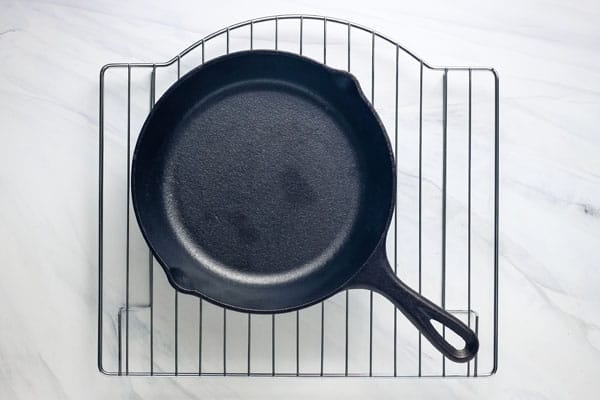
[{"x": 443, "y": 123}]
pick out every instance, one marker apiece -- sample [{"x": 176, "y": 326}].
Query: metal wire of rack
[{"x": 147, "y": 332}]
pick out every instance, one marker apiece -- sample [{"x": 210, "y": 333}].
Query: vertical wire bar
[
  {"x": 347, "y": 293},
  {"x": 301, "y": 33},
  {"x": 224, "y": 341},
  {"x": 496, "y": 211},
  {"x": 371, "y": 292},
  {"x": 420, "y": 200},
  {"x": 297, "y": 343},
  {"x": 249, "y": 315},
  {"x": 325, "y": 41},
  {"x": 396, "y": 214},
  {"x": 476, "y": 334},
  {"x": 322, "y": 336},
  {"x": 273, "y": 344},
  {"x": 346, "y": 344},
  {"x": 151, "y": 267},
  {"x": 469, "y": 217},
  {"x": 444, "y": 197},
  {"x": 119, "y": 343},
  {"x": 100, "y": 215},
  {"x": 199, "y": 299},
  {"x": 276, "y": 33},
  {"x": 127, "y": 223},
  {"x": 176, "y": 292},
  {"x": 150, "y": 258},
  {"x": 224, "y": 309},
  {"x": 176, "y": 333},
  {"x": 227, "y": 41},
  {"x": 249, "y": 340},
  {"x": 200, "y": 337},
  {"x": 297, "y": 312},
  {"x": 349, "y": 41},
  {"x": 323, "y": 303}
]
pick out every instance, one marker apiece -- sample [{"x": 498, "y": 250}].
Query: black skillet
[{"x": 264, "y": 182}]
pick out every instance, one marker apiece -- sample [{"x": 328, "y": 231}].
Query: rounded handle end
[{"x": 423, "y": 318}]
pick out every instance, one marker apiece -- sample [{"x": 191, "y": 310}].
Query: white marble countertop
[{"x": 547, "y": 56}]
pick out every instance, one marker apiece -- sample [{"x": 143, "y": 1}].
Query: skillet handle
[{"x": 377, "y": 275}]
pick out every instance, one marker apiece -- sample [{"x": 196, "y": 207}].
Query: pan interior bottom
[{"x": 261, "y": 182}]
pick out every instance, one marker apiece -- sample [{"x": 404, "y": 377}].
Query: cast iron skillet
[{"x": 264, "y": 182}]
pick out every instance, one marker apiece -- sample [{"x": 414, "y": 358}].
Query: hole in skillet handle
[{"x": 377, "y": 275}]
